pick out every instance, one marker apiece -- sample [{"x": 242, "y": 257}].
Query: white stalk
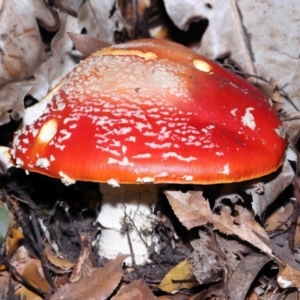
[{"x": 128, "y": 207}]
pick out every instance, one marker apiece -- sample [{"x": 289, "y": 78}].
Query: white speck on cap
[
  {"x": 19, "y": 162},
  {"x": 131, "y": 139},
  {"x": 187, "y": 177},
  {"x": 162, "y": 174},
  {"x": 146, "y": 155},
  {"x": 226, "y": 170},
  {"x": 47, "y": 131},
  {"x": 124, "y": 162},
  {"x": 126, "y": 52},
  {"x": 174, "y": 154},
  {"x": 158, "y": 146},
  {"x": 113, "y": 182},
  {"x": 248, "y": 119},
  {"x": 233, "y": 111},
  {"x": 219, "y": 153},
  {"x": 201, "y": 65},
  {"x": 145, "y": 180},
  {"x": 280, "y": 132},
  {"x": 66, "y": 135},
  {"x": 42, "y": 163},
  {"x": 65, "y": 179}
]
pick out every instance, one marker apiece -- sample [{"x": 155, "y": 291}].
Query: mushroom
[{"x": 144, "y": 113}]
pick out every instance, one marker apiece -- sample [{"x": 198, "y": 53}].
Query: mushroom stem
[{"x": 127, "y": 222}]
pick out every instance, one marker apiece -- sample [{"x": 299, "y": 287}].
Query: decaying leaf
[
  {"x": 274, "y": 185},
  {"x": 207, "y": 259},
  {"x": 83, "y": 265},
  {"x": 61, "y": 61},
  {"x": 179, "y": 277},
  {"x": 4, "y": 221},
  {"x": 100, "y": 19},
  {"x": 22, "y": 50},
  {"x": 59, "y": 262},
  {"x": 86, "y": 44},
  {"x": 27, "y": 294},
  {"x": 32, "y": 274},
  {"x": 132, "y": 13},
  {"x": 13, "y": 241},
  {"x": 234, "y": 250},
  {"x": 12, "y": 95},
  {"x": 136, "y": 290},
  {"x": 193, "y": 210},
  {"x": 289, "y": 265},
  {"x": 280, "y": 219},
  {"x": 240, "y": 281},
  {"x": 288, "y": 277},
  {"x": 98, "y": 286},
  {"x": 69, "y": 6}
]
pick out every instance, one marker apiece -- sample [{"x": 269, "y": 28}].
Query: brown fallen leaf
[
  {"x": 207, "y": 259},
  {"x": 12, "y": 94},
  {"x": 280, "y": 219},
  {"x": 83, "y": 264},
  {"x": 13, "y": 241},
  {"x": 98, "y": 286},
  {"x": 179, "y": 277},
  {"x": 22, "y": 49},
  {"x": 288, "y": 277},
  {"x": 87, "y": 44},
  {"x": 289, "y": 266},
  {"x": 136, "y": 290},
  {"x": 68, "y": 6},
  {"x": 193, "y": 210},
  {"x": 24, "y": 293},
  {"x": 59, "y": 262},
  {"x": 240, "y": 282},
  {"x": 32, "y": 274},
  {"x": 100, "y": 19}
]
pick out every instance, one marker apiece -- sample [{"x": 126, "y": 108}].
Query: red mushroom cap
[{"x": 153, "y": 111}]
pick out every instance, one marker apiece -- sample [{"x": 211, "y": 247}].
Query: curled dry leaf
[
  {"x": 59, "y": 262},
  {"x": 24, "y": 293},
  {"x": 233, "y": 249},
  {"x": 87, "y": 44},
  {"x": 280, "y": 219},
  {"x": 207, "y": 259},
  {"x": 288, "y": 277},
  {"x": 22, "y": 50},
  {"x": 13, "y": 241},
  {"x": 274, "y": 185},
  {"x": 240, "y": 282},
  {"x": 179, "y": 277},
  {"x": 100, "y": 19},
  {"x": 193, "y": 210},
  {"x": 4, "y": 221},
  {"x": 32, "y": 274},
  {"x": 61, "y": 61},
  {"x": 289, "y": 266},
  {"x": 69, "y": 6},
  {"x": 98, "y": 286},
  {"x": 11, "y": 99},
  {"x": 136, "y": 290},
  {"x": 133, "y": 14}
]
